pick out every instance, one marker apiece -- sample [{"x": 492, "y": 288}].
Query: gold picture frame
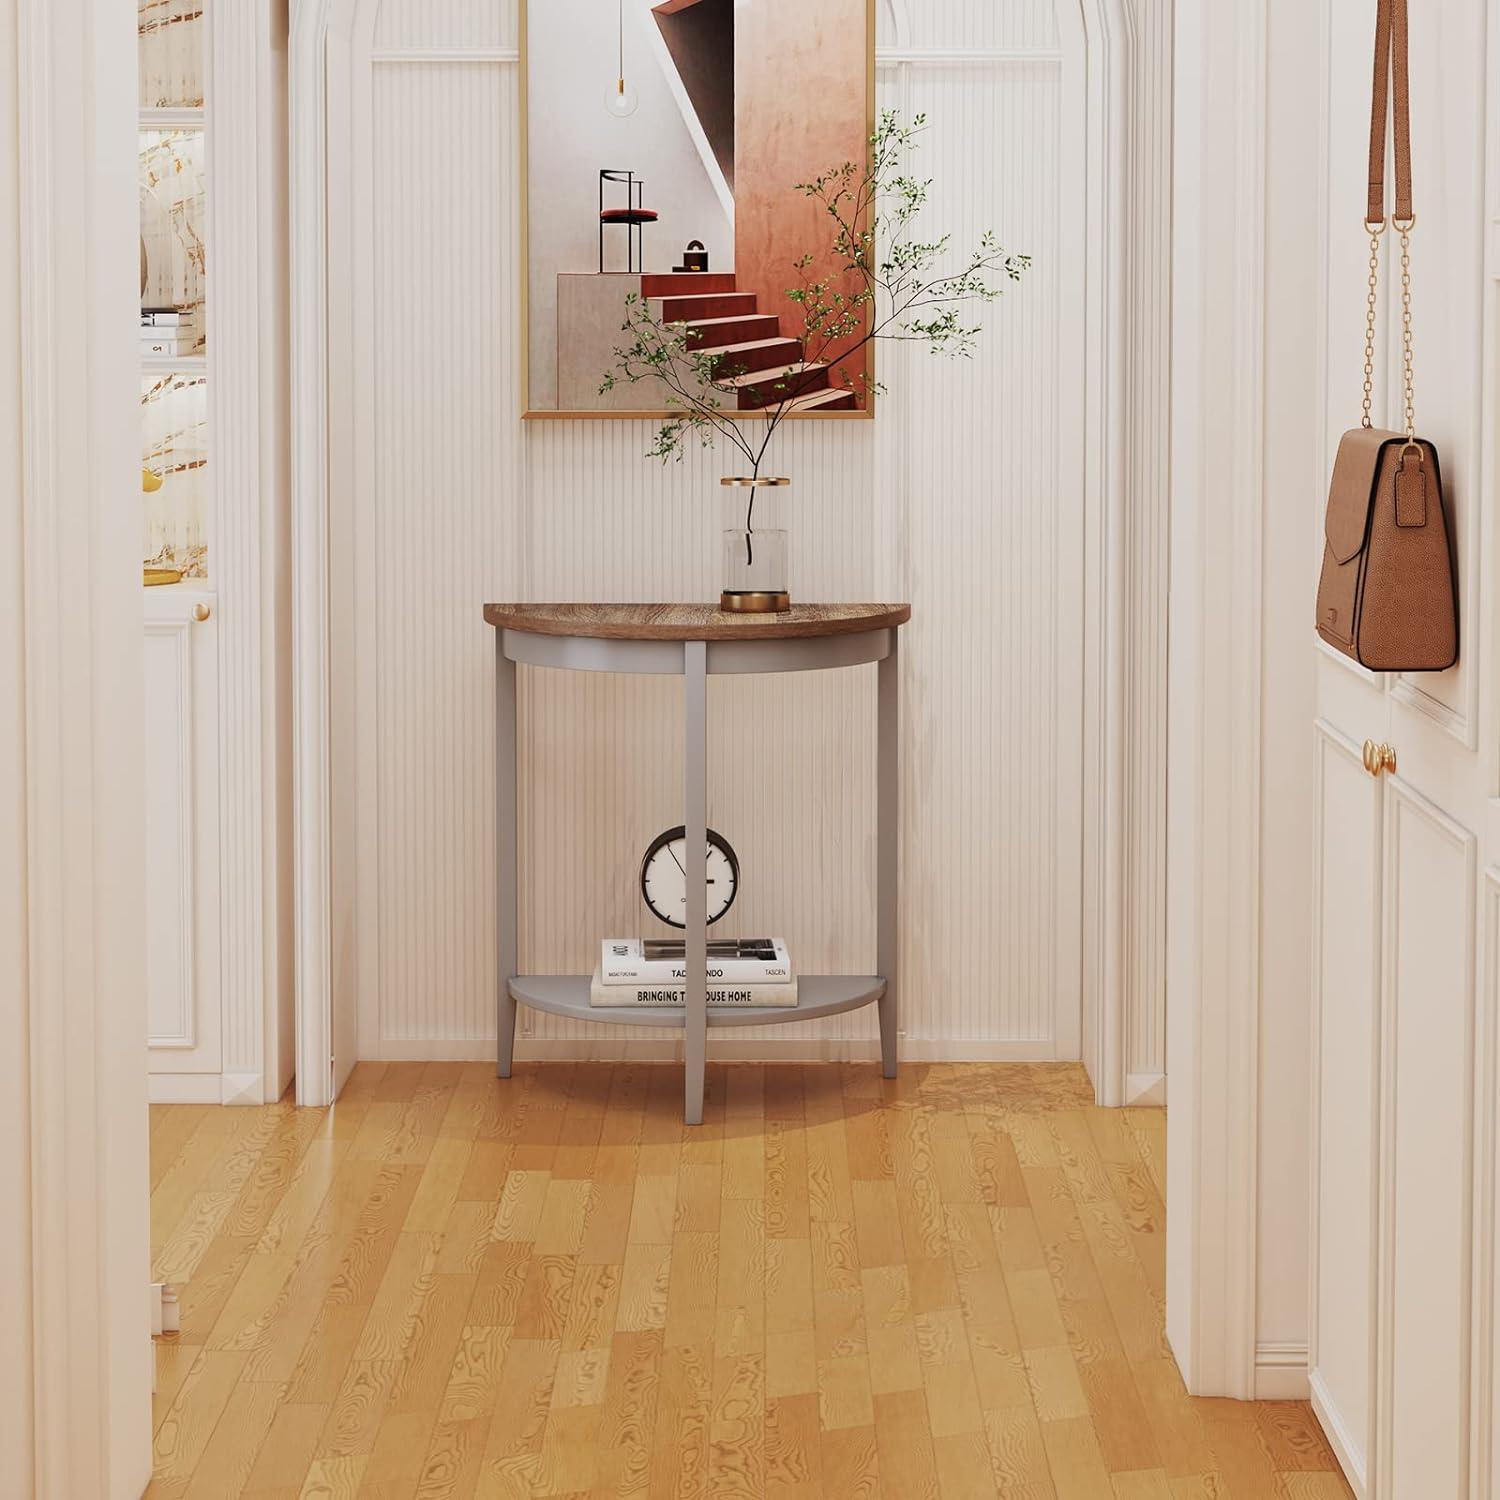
[{"x": 534, "y": 414}]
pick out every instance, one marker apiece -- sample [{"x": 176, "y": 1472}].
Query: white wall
[
  {"x": 1245, "y": 438},
  {"x": 573, "y": 56},
  {"x": 964, "y": 495},
  {"x": 74, "y": 1250}
]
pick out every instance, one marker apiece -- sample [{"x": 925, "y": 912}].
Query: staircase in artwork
[{"x": 761, "y": 366}]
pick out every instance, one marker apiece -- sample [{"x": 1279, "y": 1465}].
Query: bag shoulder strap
[{"x": 1390, "y": 79}]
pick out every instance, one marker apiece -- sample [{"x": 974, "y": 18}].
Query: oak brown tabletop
[{"x": 693, "y": 622}]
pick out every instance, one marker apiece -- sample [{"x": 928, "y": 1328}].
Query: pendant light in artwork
[{"x": 621, "y": 100}]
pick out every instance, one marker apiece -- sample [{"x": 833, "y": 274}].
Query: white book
[
  {"x": 170, "y": 347},
  {"x": 720, "y": 996},
  {"x": 164, "y": 317},
  {"x": 624, "y": 961}
]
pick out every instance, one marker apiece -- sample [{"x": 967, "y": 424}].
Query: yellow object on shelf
[
  {"x": 150, "y": 482},
  {"x": 155, "y": 577}
]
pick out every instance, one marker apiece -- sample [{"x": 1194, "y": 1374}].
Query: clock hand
[{"x": 676, "y": 861}]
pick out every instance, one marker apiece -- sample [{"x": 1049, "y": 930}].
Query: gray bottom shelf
[{"x": 818, "y": 995}]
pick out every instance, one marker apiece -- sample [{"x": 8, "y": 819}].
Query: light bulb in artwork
[{"x": 621, "y": 100}]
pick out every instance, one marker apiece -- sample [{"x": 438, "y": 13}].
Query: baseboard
[
  {"x": 1146, "y": 1089},
  {"x": 1340, "y": 1439},
  {"x": 1281, "y": 1372},
  {"x": 242, "y": 1088},
  {"x": 206, "y": 1088},
  {"x": 647, "y": 1048},
  {"x": 184, "y": 1088}
]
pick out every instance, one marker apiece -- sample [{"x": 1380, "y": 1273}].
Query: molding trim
[
  {"x": 1149, "y": 1089},
  {"x": 1340, "y": 1439},
  {"x": 312, "y": 802},
  {"x": 1281, "y": 1372},
  {"x": 1486, "y": 1254},
  {"x": 1129, "y": 173},
  {"x": 242, "y": 1088},
  {"x": 1107, "y": 26},
  {"x": 185, "y": 1088},
  {"x": 1213, "y": 973}
]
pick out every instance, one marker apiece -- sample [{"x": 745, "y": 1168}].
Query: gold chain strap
[
  {"x": 1411, "y": 410},
  {"x": 1372, "y": 304}
]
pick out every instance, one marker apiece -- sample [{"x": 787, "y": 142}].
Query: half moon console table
[{"x": 694, "y": 642}]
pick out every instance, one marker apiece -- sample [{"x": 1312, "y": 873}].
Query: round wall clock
[{"x": 664, "y": 876}]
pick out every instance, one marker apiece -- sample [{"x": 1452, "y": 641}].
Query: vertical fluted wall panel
[
  {"x": 986, "y": 517},
  {"x": 952, "y": 498},
  {"x": 975, "y": 25},
  {"x": 1147, "y": 545},
  {"x": 477, "y": 24},
  {"x": 244, "y": 472},
  {"x": 445, "y": 391}
]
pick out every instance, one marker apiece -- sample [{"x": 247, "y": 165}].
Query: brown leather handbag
[{"x": 1388, "y": 595}]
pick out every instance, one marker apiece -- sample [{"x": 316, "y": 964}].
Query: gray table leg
[
  {"x": 695, "y": 820},
  {"x": 506, "y": 890},
  {"x": 888, "y": 833}
]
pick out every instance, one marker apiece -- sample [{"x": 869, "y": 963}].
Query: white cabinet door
[
  {"x": 1425, "y": 1180},
  {"x": 182, "y": 854},
  {"x": 1346, "y": 978}
]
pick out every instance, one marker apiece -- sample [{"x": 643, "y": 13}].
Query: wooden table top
[{"x": 693, "y": 622}]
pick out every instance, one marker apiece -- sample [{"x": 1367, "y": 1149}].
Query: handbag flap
[{"x": 1351, "y": 488}]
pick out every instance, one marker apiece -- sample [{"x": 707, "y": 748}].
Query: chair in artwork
[{"x": 632, "y": 215}]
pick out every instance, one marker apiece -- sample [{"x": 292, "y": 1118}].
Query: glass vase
[{"x": 754, "y": 567}]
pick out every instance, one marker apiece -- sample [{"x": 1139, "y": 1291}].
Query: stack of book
[
  {"x": 171, "y": 331},
  {"x": 742, "y": 972}
]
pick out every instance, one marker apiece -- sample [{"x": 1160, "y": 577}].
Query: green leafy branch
[{"x": 888, "y": 284}]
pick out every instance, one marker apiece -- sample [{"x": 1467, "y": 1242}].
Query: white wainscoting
[
  {"x": 1344, "y": 1145},
  {"x": 1424, "y": 1285},
  {"x": 966, "y": 496},
  {"x": 184, "y": 852}
]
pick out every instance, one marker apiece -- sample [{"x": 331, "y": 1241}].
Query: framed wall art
[{"x": 665, "y": 145}]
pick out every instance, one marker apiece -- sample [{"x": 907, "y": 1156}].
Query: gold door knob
[
  {"x": 201, "y": 612},
  {"x": 1378, "y": 758}
]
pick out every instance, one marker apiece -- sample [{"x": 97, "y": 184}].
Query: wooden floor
[{"x": 948, "y": 1286}]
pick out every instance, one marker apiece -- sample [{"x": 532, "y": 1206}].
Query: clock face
[{"x": 664, "y": 876}]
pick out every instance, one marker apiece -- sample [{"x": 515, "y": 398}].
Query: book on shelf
[
  {"x": 171, "y": 348},
  {"x": 169, "y": 317},
  {"x": 651, "y": 961},
  {"x": 720, "y": 996}
]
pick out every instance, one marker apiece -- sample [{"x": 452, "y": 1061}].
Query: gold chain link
[
  {"x": 1372, "y": 307},
  {"x": 1406, "y": 361},
  {"x": 1372, "y": 301}
]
